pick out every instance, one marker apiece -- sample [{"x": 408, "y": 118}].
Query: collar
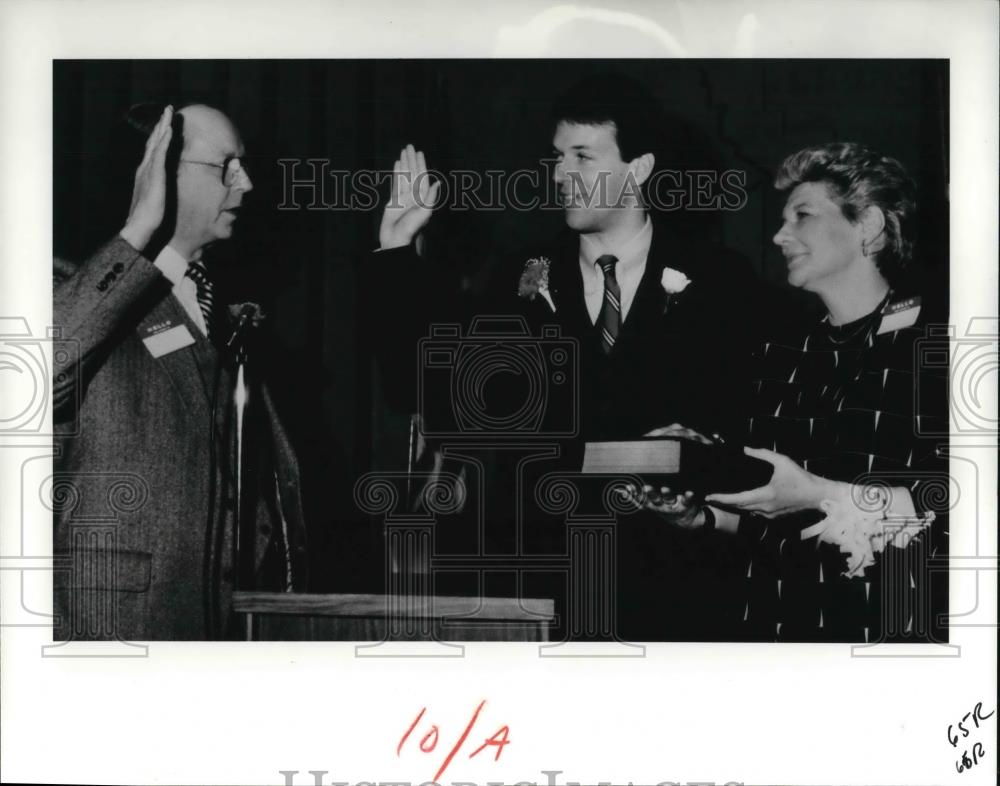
[
  {"x": 631, "y": 255},
  {"x": 172, "y": 265}
]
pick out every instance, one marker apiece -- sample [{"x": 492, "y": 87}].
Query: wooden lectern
[{"x": 282, "y": 616}]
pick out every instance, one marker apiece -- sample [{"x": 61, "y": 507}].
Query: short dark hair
[
  {"x": 620, "y": 101},
  {"x": 858, "y": 177}
]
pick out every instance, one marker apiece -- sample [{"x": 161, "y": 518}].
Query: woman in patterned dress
[{"x": 847, "y": 542}]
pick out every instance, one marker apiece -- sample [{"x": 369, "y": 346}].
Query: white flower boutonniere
[
  {"x": 673, "y": 282},
  {"x": 535, "y": 280}
]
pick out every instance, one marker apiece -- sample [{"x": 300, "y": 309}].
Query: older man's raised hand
[{"x": 149, "y": 194}]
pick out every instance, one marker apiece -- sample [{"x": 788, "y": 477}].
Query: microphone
[{"x": 245, "y": 320}]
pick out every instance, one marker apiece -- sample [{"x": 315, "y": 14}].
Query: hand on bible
[
  {"x": 681, "y": 510},
  {"x": 149, "y": 194},
  {"x": 677, "y": 430},
  {"x": 411, "y": 200},
  {"x": 790, "y": 490}
]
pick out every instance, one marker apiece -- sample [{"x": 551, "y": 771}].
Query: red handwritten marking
[
  {"x": 410, "y": 731},
  {"x": 433, "y": 745},
  {"x": 461, "y": 741},
  {"x": 500, "y": 738},
  {"x": 499, "y": 743}
]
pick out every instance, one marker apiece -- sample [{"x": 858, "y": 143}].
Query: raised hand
[
  {"x": 411, "y": 200},
  {"x": 149, "y": 194}
]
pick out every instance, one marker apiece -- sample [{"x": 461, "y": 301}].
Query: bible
[{"x": 681, "y": 464}]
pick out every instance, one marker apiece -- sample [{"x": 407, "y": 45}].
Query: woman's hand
[
  {"x": 679, "y": 509},
  {"x": 790, "y": 489}
]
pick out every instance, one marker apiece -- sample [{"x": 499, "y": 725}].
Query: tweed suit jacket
[{"x": 143, "y": 491}]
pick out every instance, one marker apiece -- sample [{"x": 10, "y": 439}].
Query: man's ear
[
  {"x": 872, "y": 222},
  {"x": 641, "y": 167}
]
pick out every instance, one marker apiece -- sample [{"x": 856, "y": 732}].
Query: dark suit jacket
[
  {"x": 682, "y": 360},
  {"x": 144, "y": 486}
]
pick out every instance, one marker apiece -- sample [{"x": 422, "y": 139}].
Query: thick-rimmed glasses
[{"x": 232, "y": 168}]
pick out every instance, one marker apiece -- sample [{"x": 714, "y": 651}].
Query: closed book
[{"x": 681, "y": 464}]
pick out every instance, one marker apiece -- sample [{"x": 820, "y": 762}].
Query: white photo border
[{"x": 233, "y": 713}]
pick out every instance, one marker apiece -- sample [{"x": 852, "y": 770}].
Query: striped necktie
[
  {"x": 610, "y": 318},
  {"x": 199, "y": 274}
]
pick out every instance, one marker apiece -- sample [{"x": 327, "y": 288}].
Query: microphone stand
[{"x": 245, "y": 513}]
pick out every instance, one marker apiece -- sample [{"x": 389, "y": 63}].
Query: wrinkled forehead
[{"x": 210, "y": 134}]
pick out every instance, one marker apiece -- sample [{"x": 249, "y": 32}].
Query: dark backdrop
[{"x": 302, "y": 264}]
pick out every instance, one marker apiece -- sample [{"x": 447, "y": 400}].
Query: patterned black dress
[{"x": 864, "y": 403}]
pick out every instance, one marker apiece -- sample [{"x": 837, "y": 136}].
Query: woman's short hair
[{"x": 857, "y": 177}]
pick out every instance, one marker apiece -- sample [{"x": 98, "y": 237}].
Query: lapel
[
  {"x": 193, "y": 369},
  {"x": 649, "y": 314},
  {"x": 647, "y": 318},
  {"x": 646, "y": 314},
  {"x": 566, "y": 286}
]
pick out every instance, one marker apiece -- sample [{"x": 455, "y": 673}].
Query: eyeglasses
[{"x": 232, "y": 168}]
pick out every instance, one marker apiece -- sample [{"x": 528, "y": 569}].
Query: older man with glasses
[{"x": 145, "y": 421}]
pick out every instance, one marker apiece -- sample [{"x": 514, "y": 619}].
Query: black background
[{"x": 303, "y": 264}]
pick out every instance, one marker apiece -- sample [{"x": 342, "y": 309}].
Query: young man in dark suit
[
  {"x": 145, "y": 483},
  {"x": 663, "y": 326}
]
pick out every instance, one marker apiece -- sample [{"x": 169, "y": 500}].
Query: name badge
[
  {"x": 899, "y": 315},
  {"x": 166, "y": 337}
]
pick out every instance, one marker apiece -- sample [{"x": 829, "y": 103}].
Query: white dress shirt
[
  {"x": 174, "y": 266},
  {"x": 628, "y": 270}
]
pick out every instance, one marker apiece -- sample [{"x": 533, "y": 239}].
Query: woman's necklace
[{"x": 866, "y": 324}]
